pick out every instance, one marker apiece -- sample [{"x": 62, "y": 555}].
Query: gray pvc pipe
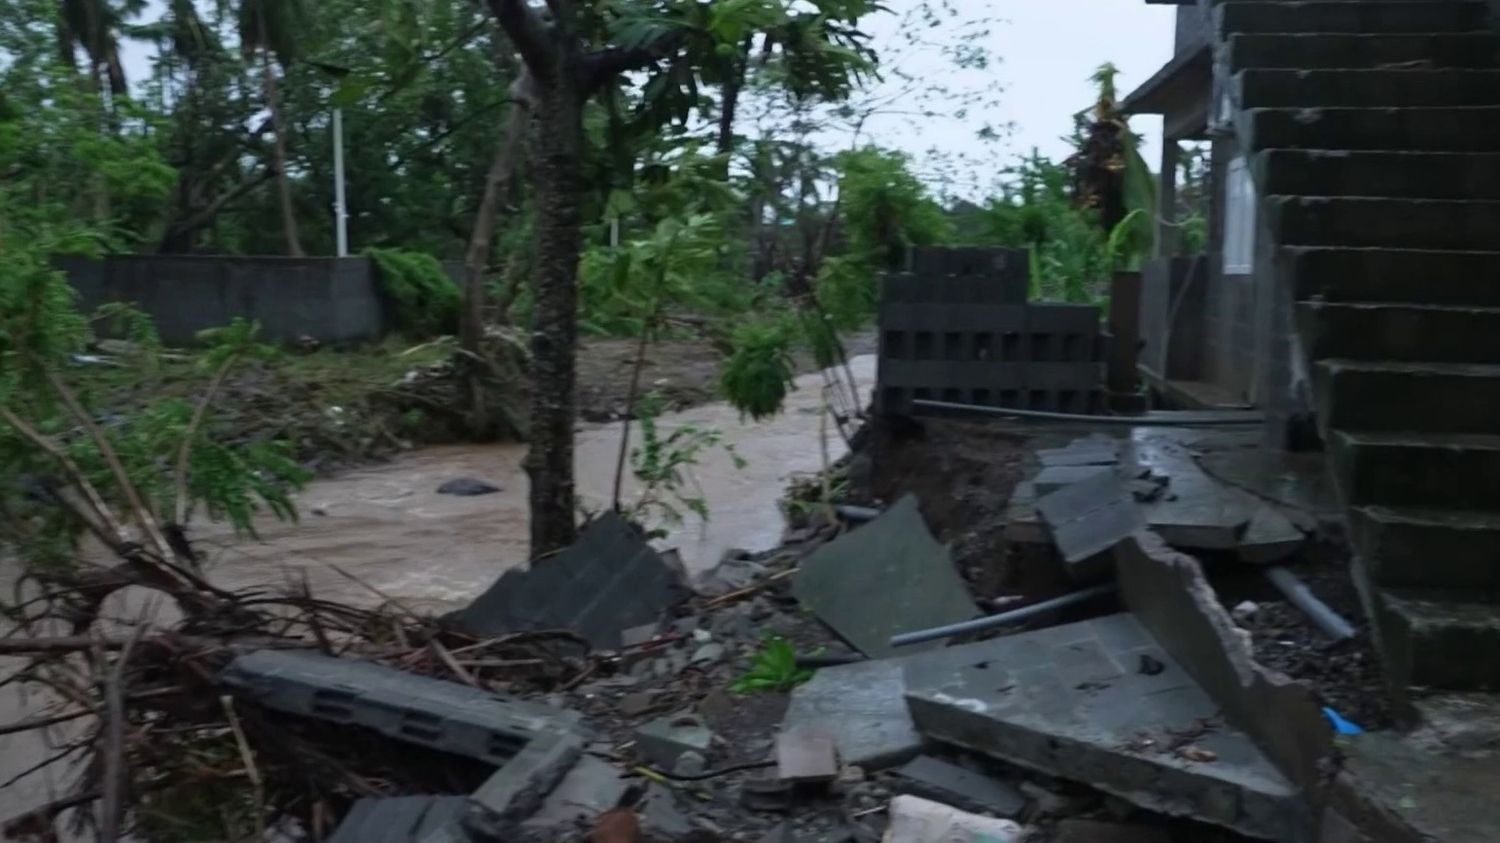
[
  {"x": 1003, "y": 618},
  {"x": 857, "y": 514},
  {"x": 1240, "y": 418},
  {"x": 1316, "y": 610}
]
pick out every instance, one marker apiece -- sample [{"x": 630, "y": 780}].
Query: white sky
[{"x": 1046, "y": 51}]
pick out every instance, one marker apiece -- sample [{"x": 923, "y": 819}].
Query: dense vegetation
[{"x": 634, "y": 168}]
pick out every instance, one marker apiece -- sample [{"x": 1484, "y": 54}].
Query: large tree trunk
[
  {"x": 283, "y": 186},
  {"x": 556, "y": 161},
  {"x": 729, "y": 106},
  {"x": 476, "y": 259}
]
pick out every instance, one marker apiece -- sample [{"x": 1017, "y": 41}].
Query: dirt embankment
[{"x": 344, "y": 407}]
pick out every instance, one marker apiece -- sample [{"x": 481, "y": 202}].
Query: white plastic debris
[
  {"x": 917, "y": 820},
  {"x": 1244, "y": 611}
]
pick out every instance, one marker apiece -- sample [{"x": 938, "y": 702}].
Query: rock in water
[{"x": 467, "y": 487}]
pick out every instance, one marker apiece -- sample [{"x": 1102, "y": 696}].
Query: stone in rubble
[
  {"x": 665, "y": 740},
  {"x": 1071, "y": 702},
  {"x": 467, "y": 487},
  {"x": 806, "y": 757}
]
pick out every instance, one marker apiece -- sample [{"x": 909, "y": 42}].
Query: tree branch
[
  {"x": 527, "y": 31},
  {"x": 601, "y": 66}
]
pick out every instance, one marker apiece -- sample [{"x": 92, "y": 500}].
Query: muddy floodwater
[{"x": 387, "y": 526}]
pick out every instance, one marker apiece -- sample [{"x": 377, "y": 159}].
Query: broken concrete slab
[
  {"x": 609, "y": 581},
  {"x": 1169, "y": 595},
  {"x": 1053, "y": 478},
  {"x": 946, "y": 782},
  {"x": 1199, "y": 513},
  {"x": 862, "y": 707},
  {"x": 1087, "y": 451},
  {"x": 806, "y": 757},
  {"x": 1413, "y": 789},
  {"x": 1270, "y": 537},
  {"x": 918, "y": 820},
  {"x": 440, "y": 715},
  {"x": 592, "y": 787},
  {"x": 1088, "y": 518},
  {"x": 1099, "y": 831},
  {"x": 887, "y": 577},
  {"x": 399, "y": 819},
  {"x": 532, "y": 745},
  {"x": 1073, "y": 702},
  {"x": 664, "y": 740}
]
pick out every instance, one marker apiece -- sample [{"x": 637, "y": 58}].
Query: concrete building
[{"x": 1203, "y": 347}]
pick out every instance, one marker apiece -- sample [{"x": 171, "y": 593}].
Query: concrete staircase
[{"x": 1375, "y": 131}]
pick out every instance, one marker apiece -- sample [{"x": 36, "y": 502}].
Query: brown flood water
[{"x": 387, "y": 525}]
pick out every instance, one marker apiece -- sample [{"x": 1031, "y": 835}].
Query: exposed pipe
[
  {"x": 1316, "y": 610},
  {"x": 857, "y": 514},
  {"x": 1196, "y": 420},
  {"x": 1004, "y": 618}
]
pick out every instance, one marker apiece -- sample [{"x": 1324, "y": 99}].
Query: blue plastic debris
[{"x": 1340, "y": 725}]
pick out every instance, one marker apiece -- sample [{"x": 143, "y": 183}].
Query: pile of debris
[{"x": 595, "y": 694}]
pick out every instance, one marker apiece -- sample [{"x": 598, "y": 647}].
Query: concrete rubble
[
  {"x": 1073, "y": 504},
  {"x": 1159, "y": 708},
  {"x": 1076, "y": 702},
  {"x": 609, "y": 581},
  {"x": 886, "y": 577}
]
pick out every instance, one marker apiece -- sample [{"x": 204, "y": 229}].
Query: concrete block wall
[
  {"x": 328, "y": 299},
  {"x": 958, "y": 328},
  {"x": 1174, "y": 341}
]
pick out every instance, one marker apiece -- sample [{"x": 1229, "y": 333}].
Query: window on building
[{"x": 1239, "y": 218}]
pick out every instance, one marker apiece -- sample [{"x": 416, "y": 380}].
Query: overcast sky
[{"x": 1045, "y": 51}]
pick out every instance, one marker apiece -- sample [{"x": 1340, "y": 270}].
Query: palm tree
[
  {"x": 270, "y": 27},
  {"x": 95, "y": 26}
]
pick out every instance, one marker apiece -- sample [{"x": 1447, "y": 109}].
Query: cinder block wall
[
  {"x": 958, "y": 328},
  {"x": 328, "y": 299}
]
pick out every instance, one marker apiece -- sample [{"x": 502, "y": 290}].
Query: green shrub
[
  {"x": 420, "y": 297},
  {"x": 759, "y": 372}
]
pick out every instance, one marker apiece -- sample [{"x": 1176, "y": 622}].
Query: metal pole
[
  {"x": 340, "y": 209},
  {"x": 1002, "y": 619},
  {"x": 1211, "y": 418}
]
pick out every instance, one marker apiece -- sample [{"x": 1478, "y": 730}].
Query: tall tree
[{"x": 271, "y": 28}]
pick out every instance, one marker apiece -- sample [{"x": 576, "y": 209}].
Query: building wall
[
  {"x": 327, "y": 299},
  {"x": 1193, "y": 27}
]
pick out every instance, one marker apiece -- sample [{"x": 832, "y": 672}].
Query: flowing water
[{"x": 386, "y": 526}]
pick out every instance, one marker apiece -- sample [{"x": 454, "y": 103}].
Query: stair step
[
  {"x": 1357, "y": 16},
  {"x": 1366, "y": 88},
  {"x": 1393, "y": 275},
  {"x": 1440, "y": 640},
  {"x": 1403, "y": 468},
  {"x": 1418, "y": 175},
  {"x": 1308, "y": 51},
  {"x": 1374, "y": 221},
  {"x": 1400, "y": 333},
  {"x": 1386, "y": 396},
  {"x": 1442, "y": 548},
  {"x": 1442, "y": 129}
]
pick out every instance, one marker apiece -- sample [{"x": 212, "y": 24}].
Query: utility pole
[{"x": 340, "y": 208}]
